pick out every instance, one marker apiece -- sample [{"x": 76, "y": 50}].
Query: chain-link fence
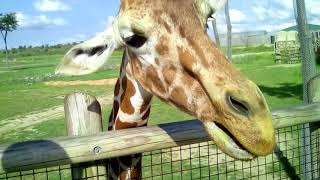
[{"x": 205, "y": 161}]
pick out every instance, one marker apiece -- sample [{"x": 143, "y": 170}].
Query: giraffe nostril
[{"x": 238, "y": 106}]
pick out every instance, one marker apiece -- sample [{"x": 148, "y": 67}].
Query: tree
[{"x": 8, "y": 23}]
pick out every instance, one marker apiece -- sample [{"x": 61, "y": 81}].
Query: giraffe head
[{"x": 169, "y": 54}]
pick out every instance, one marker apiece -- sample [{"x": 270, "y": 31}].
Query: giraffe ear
[
  {"x": 89, "y": 56},
  {"x": 208, "y": 8},
  {"x": 215, "y": 5}
]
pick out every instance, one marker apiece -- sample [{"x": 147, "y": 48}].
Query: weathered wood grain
[{"x": 83, "y": 117}]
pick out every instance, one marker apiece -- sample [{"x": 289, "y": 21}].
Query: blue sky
[{"x": 63, "y": 21}]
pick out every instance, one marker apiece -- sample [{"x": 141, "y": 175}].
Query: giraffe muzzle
[
  {"x": 243, "y": 126},
  {"x": 226, "y": 142}
]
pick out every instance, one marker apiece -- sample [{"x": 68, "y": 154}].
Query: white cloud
[
  {"x": 107, "y": 23},
  {"x": 286, "y": 4},
  {"x": 40, "y": 21},
  {"x": 313, "y": 9},
  {"x": 272, "y": 14},
  {"x": 260, "y": 12},
  {"x": 274, "y": 27},
  {"x": 237, "y": 16},
  {"x": 51, "y": 6}
]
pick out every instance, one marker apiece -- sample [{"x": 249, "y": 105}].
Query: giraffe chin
[{"x": 226, "y": 143}]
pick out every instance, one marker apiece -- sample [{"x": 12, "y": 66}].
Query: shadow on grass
[
  {"x": 33, "y": 66},
  {"x": 284, "y": 90}
]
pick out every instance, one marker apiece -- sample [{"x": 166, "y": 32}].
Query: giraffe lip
[{"x": 227, "y": 142}]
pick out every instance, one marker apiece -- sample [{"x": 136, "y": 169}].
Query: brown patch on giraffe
[
  {"x": 129, "y": 2},
  {"x": 134, "y": 61},
  {"x": 169, "y": 73},
  {"x": 157, "y": 13},
  {"x": 147, "y": 77},
  {"x": 198, "y": 50},
  {"x": 186, "y": 60},
  {"x": 135, "y": 174},
  {"x": 129, "y": 91},
  {"x": 154, "y": 80},
  {"x": 146, "y": 115},
  {"x": 179, "y": 97},
  {"x": 162, "y": 47},
  {"x": 157, "y": 61},
  {"x": 124, "y": 125},
  {"x": 173, "y": 17},
  {"x": 189, "y": 81},
  {"x": 182, "y": 32},
  {"x": 135, "y": 171},
  {"x": 114, "y": 166},
  {"x": 145, "y": 104}
]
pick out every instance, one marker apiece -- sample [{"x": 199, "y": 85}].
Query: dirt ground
[{"x": 101, "y": 82}]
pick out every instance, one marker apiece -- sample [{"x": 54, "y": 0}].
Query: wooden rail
[{"x": 72, "y": 150}]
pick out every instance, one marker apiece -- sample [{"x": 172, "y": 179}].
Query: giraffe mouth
[{"x": 227, "y": 142}]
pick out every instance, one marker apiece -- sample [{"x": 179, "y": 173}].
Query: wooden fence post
[{"x": 83, "y": 117}]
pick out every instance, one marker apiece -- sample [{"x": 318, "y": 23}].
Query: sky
[{"x": 65, "y": 21}]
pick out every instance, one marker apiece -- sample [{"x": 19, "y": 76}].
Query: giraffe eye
[{"x": 135, "y": 41}]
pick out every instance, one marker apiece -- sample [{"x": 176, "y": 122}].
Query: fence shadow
[{"x": 26, "y": 153}]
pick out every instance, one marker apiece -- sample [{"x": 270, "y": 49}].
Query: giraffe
[
  {"x": 168, "y": 54},
  {"x": 131, "y": 108}
]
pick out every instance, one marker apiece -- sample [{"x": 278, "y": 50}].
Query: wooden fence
[{"x": 86, "y": 148}]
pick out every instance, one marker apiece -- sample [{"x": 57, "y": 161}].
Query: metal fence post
[
  {"x": 83, "y": 117},
  {"x": 229, "y": 33},
  {"x": 308, "y": 71},
  {"x": 215, "y": 32},
  {"x": 314, "y": 97}
]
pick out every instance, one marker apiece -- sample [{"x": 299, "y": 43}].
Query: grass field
[{"x": 23, "y": 92}]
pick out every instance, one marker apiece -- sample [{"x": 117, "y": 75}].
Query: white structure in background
[{"x": 287, "y": 47}]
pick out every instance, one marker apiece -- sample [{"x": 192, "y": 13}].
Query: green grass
[
  {"x": 282, "y": 86},
  {"x": 22, "y": 89}
]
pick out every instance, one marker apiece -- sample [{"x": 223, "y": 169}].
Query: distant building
[
  {"x": 247, "y": 38},
  {"x": 315, "y": 30},
  {"x": 287, "y": 45},
  {"x": 312, "y": 28}
]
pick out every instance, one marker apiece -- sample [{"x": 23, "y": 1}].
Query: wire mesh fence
[{"x": 204, "y": 161}]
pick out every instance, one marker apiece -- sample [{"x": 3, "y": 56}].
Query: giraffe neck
[{"x": 131, "y": 108}]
